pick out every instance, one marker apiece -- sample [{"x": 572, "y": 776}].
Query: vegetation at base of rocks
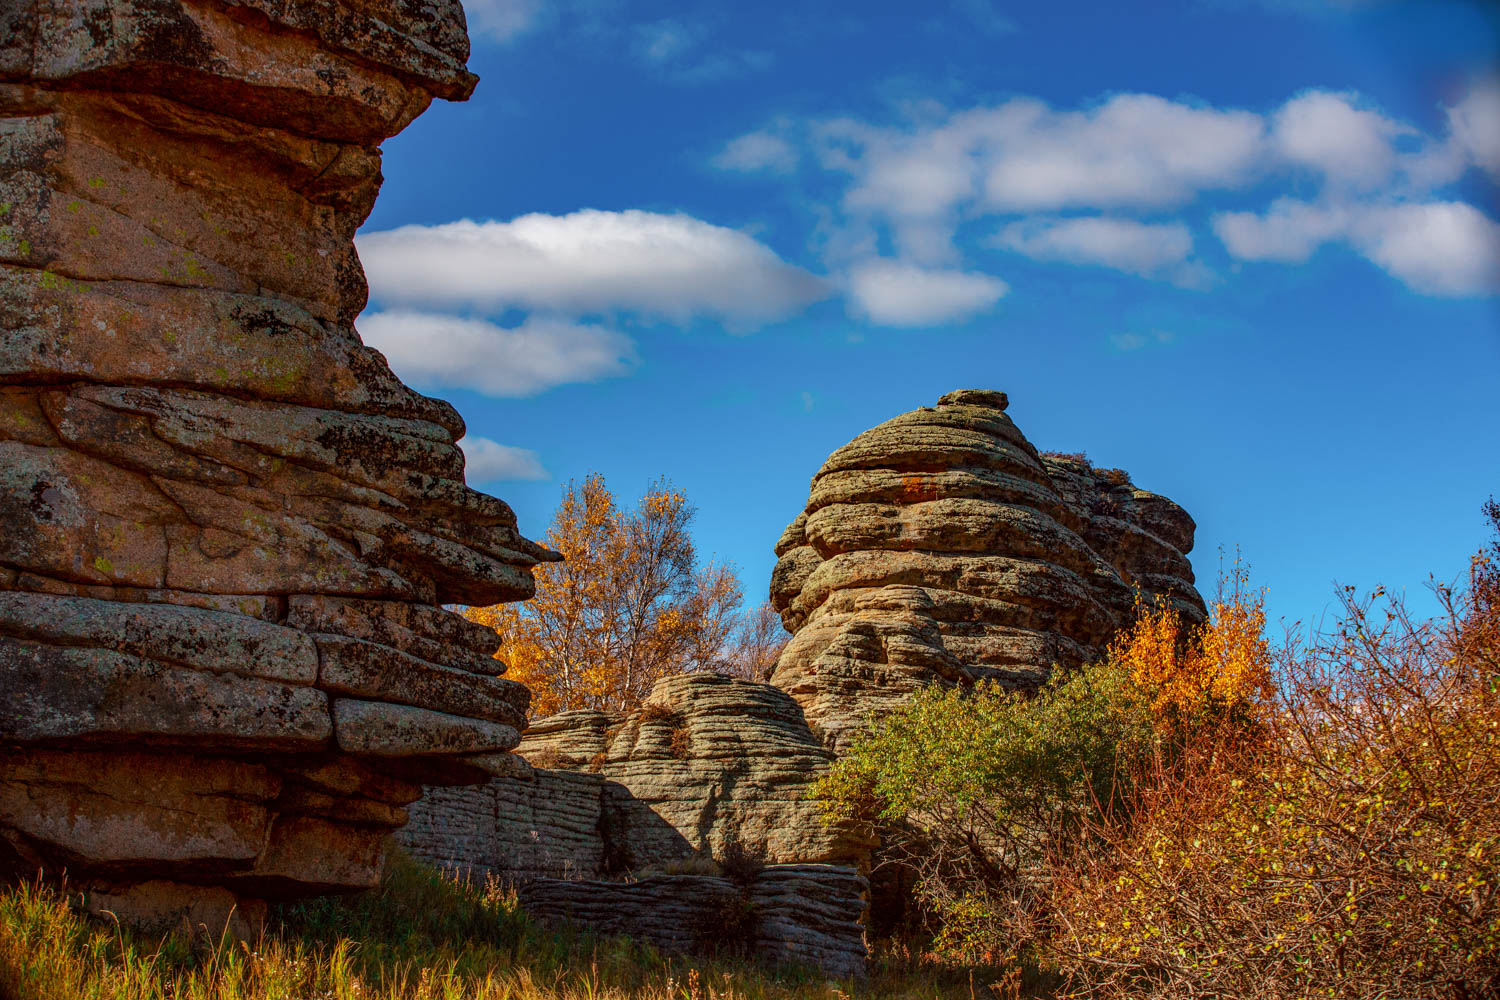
[
  {"x": 628, "y": 606},
  {"x": 420, "y": 936},
  {"x": 1204, "y": 814}
]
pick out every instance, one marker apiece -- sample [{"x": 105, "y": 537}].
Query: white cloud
[
  {"x": 1124, "y": 244},
  {"x": 1326, "y": 132},
  {"x": 487, "y": 461},
  {"x": 892, "y": 293},
  {"x": 1437, "y": 248},
  {"x": 758, "y": 151},
  {"x": 501, "y": 20},
  {"x": 589, "y": 262},
  {"x": 1475, "y": 123},
  {"x": 1134, "y": 150},
  {"x": 1288, "y": 232},
  {"x": 1372, "y": 185},
  {"x": 438, "y": 350}
]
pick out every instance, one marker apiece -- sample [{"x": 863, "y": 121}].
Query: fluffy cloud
[
  {"x": 758, "y": 151},
  {"x": 892, "y": 293},
  {"x": 590, "y": 262},
  {"x": 1438, "y": 248},
  {"x": 501, "y": 20},
  {"x": 1134, "y": 150},
  {"x": 1475, "y": 123},
  {"x": 443, "y": 351},
  {"x": 1124, "y": 244},
  {"x": 487, "y": 461},
  {"x": 1327, "y": 132},
  {"x": 1376, "y": 184},
  {"x": 1288, "y": 232}
]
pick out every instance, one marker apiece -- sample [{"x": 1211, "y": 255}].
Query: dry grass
[{"x": 420, "y": 936}]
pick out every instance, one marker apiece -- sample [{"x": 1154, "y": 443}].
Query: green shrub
[{"x": 973, "y": 790}]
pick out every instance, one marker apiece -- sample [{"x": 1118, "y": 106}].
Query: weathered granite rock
[
  {"x": 940, "y": 547},
  {"x": 228, "y": 527}
]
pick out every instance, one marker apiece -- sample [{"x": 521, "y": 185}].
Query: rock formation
[
  {"x": 940, "y": 547},
  {"x": 228, "y": 527},
  {"x": 629, "y": 823}
]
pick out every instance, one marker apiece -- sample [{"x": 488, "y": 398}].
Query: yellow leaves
[
  {"x": 1224, "y": 663},
  {"x": 627, "y": 605}
]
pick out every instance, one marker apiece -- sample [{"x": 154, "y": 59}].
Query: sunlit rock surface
[{"x": 940, "y": 547}]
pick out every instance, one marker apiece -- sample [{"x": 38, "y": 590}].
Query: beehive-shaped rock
[
  {"x": 226, "y": 529},
  {"x": 941, "y": 547}
]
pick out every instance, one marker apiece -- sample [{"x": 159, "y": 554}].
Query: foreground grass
[{"x": 420, "y": 936}]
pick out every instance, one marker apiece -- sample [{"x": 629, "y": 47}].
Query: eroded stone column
[{"x": 226, "y": 529}]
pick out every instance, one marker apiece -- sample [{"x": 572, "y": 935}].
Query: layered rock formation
[
  {"x": 228, "y": 527},
  {"x": 940, "y": 547},
  {"x": 624, "y": 822}
]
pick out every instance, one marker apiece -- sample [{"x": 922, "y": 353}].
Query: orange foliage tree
[
  {"x": 628, "y": 605},
  {"x": 1223, "y": 664}
]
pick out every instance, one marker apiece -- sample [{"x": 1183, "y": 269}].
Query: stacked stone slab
[
  {"x": 940, "y": 547},
  {"x": 227, "y": 527},
  {"x": 623, "y": 823}
]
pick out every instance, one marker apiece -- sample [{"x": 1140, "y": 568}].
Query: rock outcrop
[
  {"x": 940, "y": 547},
  {"x": 628, "y": 824},
  {"x": 228, "y": 528}
]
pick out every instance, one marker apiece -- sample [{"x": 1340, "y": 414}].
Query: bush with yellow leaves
[{"x": 1353, "y": 850}]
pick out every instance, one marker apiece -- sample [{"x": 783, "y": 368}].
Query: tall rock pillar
[{"x": 226, "y": 529}]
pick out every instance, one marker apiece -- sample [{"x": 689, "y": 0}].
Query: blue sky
[{"x": 1246, "y": 250}]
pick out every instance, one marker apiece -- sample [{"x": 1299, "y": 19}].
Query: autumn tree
[{"x": 628, "y": 605}]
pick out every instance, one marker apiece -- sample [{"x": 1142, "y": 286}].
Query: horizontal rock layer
[
  {"x": 940, "y": 547},
  {"x": 229, "y": 527}
]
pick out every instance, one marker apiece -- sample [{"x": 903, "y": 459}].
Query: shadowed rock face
[
  {"x": 940, "y": 547},
  {"x": 227, "y": 527}
]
